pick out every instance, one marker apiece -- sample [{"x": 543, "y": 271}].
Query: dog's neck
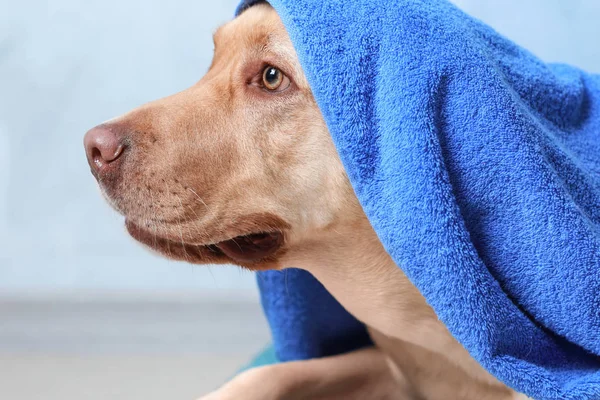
[{"x": 350, "y": 261}]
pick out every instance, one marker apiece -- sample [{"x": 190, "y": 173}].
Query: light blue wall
[
  {"x": 67, "y": 65},
  {"x": 555, "y": 30}
]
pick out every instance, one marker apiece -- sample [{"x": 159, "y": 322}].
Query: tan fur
[{"x": 225, "y": 158}]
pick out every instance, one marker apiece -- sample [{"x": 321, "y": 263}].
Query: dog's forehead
[
  {"x": 258, "y": 32},
  {"x": 259, "y": 25}
]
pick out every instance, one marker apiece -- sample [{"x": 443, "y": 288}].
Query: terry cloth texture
[{"x": 478, "y": 166}]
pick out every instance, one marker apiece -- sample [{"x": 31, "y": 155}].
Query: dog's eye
[{"x": 274, "y": 80}]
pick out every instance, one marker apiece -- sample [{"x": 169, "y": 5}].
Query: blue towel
[{"x": 478, "y": 166}]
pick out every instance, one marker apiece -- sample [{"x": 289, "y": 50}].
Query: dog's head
[{"x": 239, "y": 168}]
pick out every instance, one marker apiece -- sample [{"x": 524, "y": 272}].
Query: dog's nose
[{"x": 103, "y": 147}]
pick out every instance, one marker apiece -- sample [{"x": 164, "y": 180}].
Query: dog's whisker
[
  {"x": 163, "y": 225},
  {"x": 199, "y": 198},
  {"x": 187, "y": 256},
  {"x": 154, "y": 227},
  {"x": 236, "y": 243},
  {"x": 212, "y": 274},
  {"x": 194, "y": 211}
]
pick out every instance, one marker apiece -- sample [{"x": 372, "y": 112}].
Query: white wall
[{"x": 66, "y": 65}]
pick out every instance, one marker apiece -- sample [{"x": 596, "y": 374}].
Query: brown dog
[{"x": 240, "y": 168}]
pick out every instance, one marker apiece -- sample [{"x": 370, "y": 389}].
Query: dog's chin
[{"x": 254, "y": 250}]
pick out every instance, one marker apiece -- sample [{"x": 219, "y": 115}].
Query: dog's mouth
[
  {"x": 251, "y": 248},
  {"x": 245, "y": 250}
]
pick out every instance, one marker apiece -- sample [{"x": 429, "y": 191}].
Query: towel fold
[{"x": 478, "y": 166}]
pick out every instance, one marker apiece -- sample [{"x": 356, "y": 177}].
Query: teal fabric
[{"x": 266, "y": 357}]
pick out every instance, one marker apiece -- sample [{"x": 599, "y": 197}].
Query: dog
[{"x": 240, "y": 168}]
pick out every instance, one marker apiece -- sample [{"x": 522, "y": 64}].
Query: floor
[{"x": 124, "y": 349}]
